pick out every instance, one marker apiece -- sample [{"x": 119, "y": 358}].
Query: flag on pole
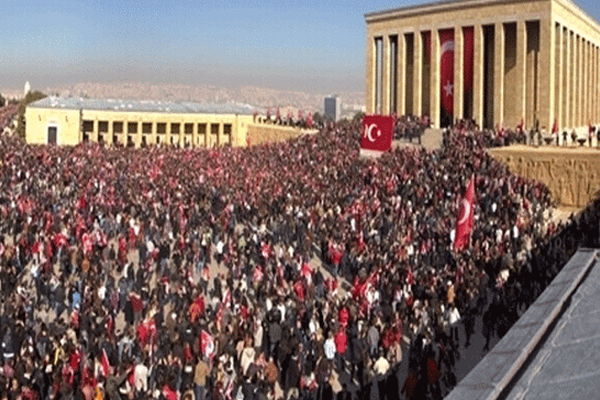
[
  {"x": 521, "y": 126},
  {"x": 207, "y": 344},
  {"x": 105, "y": 364},
  {"x": 464, "y": 223}
]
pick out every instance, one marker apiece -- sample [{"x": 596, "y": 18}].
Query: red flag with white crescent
[
  {"x": 258, "y": 274},
  {"x": 377, "y": 132},
  {"x": 447, "y": 69},
  {"x": 105, "y": 364},
  {"x": 207, "y": 344},
  {"x": 464, "y": 224}
]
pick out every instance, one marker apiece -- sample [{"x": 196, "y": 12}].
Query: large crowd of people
[
  {"x": 7, "y": 117},
  {"x": 410, "y": 128},
  {"x": 290, "y": 271}
]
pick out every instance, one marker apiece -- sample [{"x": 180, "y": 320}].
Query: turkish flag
[
  {"x": 105, "y": 364},
  {"x": 258, "y": 274},
  {"x": 464, "y": 224},
  {"x": 207, "y": 344},
  {"x": 377, "y": 132},
  {"x": 447, "y": 70}
]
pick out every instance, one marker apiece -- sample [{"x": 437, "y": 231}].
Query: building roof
[
  {"x": 425, "y": 6},
  {"x": 444, "y": 5},
  {"x": 121, "y": 105}
]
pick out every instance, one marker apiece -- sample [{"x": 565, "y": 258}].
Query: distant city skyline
[{"x": 312, "y": 46}]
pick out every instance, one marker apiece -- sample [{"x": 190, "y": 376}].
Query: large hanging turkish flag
[
  {"x": 377, "y": 132},
  {"x": 464, "y": 224},
  {"x": 447, "y": 70}
]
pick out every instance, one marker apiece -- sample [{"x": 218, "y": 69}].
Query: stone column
[
  {"x": 597, "y": 85},
  {"x": 195, "y": 132},
  {"x": 594, "y": 99},
  {"x": 578, "y": 85},
  {"x": 137, "y": 138},
  {"x": 459, "y": 73},
  {"x": 153, "y": 133},
  {"x": 589, "y": 90},
  {"x": 95, "y": 130},
  {"x": 498, "y": 74},
  {"x": 595, "y": 105},
  {"x": 572, "y": 91},
  {"x": 434, "y": 92},
  {"x": 418, "y": 74},
  {"x": 559, "y": 70},
  {"x": 521, "y": 68},
  {"x": 584, "y": 80},
  {"x": 401, "y": 78},
  {"x": 370, "y": 72},
  {"x": 566, "y": 81},
  {"x": 385, "y": 75},
  {"x": 111, "y": 131},
  {"x": 546, "y": 75},
  {"x": 123, "y": 135},
  {"x": 478, "y": 58}
]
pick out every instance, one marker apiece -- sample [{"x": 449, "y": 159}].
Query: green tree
[
  {"x": 358, "y": 117},
  {"x": 28, "y": 99},
  {"x": 2, "y": 101}
]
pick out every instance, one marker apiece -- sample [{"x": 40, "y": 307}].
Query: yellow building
[
  {"x": 495, "y": 61},
  {"x": 135, "y": 123}
]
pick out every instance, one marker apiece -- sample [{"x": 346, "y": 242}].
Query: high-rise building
[
  {"x": 498, "y": 62},
  {"x": 333, "y": 108}
]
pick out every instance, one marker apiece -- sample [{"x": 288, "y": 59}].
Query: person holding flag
[
  {"x": 464, "y": 223},
  {"x": 521, "y": 130}
]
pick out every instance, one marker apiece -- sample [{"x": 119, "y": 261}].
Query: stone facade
[
  {"x": 270, "y": 133},
  {"x": 572, "y": 175},
  {"x": 533, "y": 60},
  {"x": 134, "y": 123}
]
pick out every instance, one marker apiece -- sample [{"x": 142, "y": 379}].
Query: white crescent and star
[
  {"x": 449, "y": 88},
  {"x": 369, "y": 132},
  {"x": 448, "y": 47},
  {"x": 466, "y": 211}
]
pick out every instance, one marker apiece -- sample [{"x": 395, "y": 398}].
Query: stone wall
[
  {"x": 571, "y": 174},
  {"x": 270, "y": 133}
]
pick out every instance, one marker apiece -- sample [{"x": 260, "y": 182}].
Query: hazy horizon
[{"x": 310, "y": 46}]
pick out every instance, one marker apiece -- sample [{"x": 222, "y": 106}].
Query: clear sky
[{"x": 311, "y": 45}]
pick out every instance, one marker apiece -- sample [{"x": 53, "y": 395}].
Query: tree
[
  {"x": 28, "y": 99},
  {"x": 358, "y": 116},
  {"x": 2, "y": 101}
]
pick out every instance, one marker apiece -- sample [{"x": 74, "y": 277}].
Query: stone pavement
[
  {"x": 552, "y": 351},
  {"x": 432, "y": 140}
]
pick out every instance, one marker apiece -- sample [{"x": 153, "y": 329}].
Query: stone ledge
[{"x": 495, "y": 372}]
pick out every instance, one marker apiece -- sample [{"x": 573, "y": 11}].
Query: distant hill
[{"x": 261, "y": 98}]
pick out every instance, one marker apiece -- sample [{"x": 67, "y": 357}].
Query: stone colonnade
[
  {"x": 536, "y": 67},
  {"x": 139, "y": 131}
]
